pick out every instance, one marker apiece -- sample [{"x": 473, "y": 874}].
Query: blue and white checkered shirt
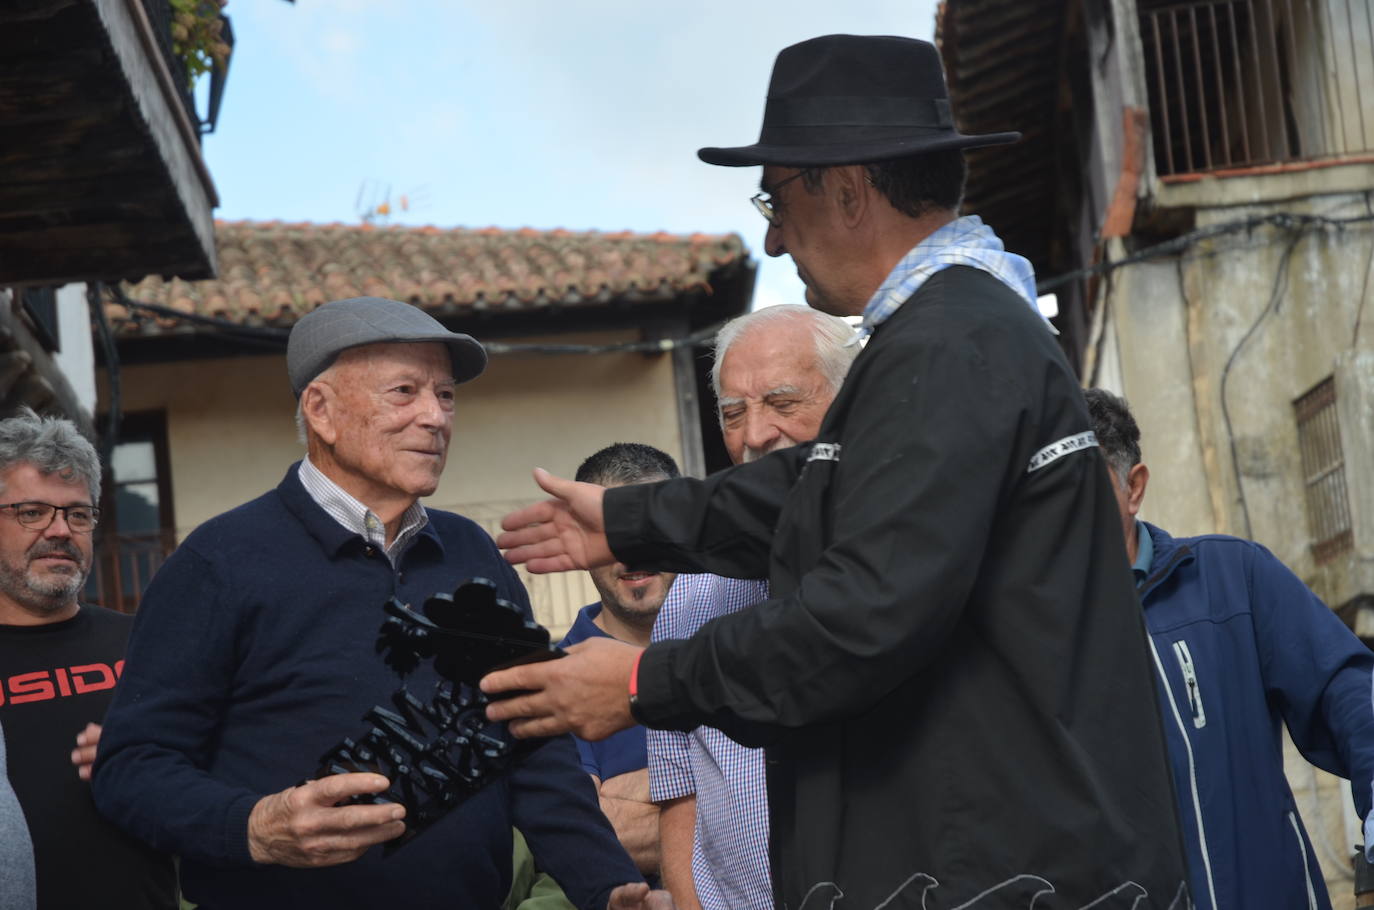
[
  {"x": 730, "y": 849},
  {"x": 357, "y": 517},
  {"x": 964, "y": 241}
]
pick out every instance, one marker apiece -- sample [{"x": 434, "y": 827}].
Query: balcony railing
[
  {"x": 123, "y": 566},
  {"x": 160, "y": 16},
  {"x": 1248, "y": 83}
]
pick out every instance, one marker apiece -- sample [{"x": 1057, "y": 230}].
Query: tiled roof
[{"x": 272, "y": 273}]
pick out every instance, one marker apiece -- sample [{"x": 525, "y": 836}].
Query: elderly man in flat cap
[
  {"x": 950, "y": 677},
  {"x": 252, "y": 655}
]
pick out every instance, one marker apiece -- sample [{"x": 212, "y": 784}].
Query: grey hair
[
  {"x": 53, "y": 445},
  {"x": 835, "y": 345},
  {"x": 1116, "y": 430},
  {"x": 302, "y": 435}
]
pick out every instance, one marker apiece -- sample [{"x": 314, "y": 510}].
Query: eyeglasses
[
  {"x": 764, "y": 201},
  {"x": 39, "y": 515}
]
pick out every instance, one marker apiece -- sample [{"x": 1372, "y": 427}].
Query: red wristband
[
  {"x": 634, "y": 674},
  {"x": 634, "y": 686}
]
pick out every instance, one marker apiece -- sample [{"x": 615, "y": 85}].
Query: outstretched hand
[{"x": 558, "y": 534}]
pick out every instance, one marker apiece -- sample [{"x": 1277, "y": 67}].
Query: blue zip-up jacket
[{"x": 1241, "y": 645}]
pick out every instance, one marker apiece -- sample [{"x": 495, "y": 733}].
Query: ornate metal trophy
[{"x": 438, "y": 753}]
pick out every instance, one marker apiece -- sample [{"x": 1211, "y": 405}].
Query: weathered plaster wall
[
  {"x": 1170, "y": 329},
  {"x": 1280, "y": 312}
]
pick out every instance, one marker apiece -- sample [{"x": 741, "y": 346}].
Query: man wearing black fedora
[{"x": 950, "y": 679}]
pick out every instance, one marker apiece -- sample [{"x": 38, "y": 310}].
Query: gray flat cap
[{"x": 322, "y": 334}]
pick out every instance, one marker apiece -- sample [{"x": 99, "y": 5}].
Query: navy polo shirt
[{"x": 624, "y": 751}]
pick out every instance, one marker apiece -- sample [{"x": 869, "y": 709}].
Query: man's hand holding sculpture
[{"x": 307, "y": 826}]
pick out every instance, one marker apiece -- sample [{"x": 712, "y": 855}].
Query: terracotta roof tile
[{"x": 273, "y": 272}]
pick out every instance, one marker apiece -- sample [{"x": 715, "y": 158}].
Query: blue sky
[{"x": 584, "y": 114}]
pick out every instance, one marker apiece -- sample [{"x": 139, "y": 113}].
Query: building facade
[
  {"x": 594, "y": 339},
  {"x": 1197, "y": 186}
]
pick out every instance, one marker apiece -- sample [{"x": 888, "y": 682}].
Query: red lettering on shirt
[
  {"x": 30, "y": 687},
  {"x": 106, "y": 678},
  {"x": 77, "y": 680}
]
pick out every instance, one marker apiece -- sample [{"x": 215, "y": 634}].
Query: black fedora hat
[{"x": 851, "y": 99}]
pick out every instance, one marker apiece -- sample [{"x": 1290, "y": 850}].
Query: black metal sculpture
[{"x": 438, "y": 753}]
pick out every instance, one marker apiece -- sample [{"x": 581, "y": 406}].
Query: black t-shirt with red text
[{"x": 54, "y": 679}]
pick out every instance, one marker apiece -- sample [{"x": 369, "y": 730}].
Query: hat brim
[
  {"x": 850, "y": 152},
  {"x": 468, "y": 356}
]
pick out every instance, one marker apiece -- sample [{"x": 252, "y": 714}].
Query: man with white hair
[
  {"x": 775, "y": 373},
  {"x": 255, "y": 652}
]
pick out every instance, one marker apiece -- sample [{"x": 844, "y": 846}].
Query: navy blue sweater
[{"x": 252, "y": 654}]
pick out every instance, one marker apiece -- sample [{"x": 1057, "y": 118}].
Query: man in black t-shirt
[{"x": 59, "y": 661}]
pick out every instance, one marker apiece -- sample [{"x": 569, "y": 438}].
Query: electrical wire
[
  {"x": 1275, "y": 297},
  {"x": 1282, "y": 220},
  {"x": 268, "y": 335},
  {"x": 1364, "y": 291}
]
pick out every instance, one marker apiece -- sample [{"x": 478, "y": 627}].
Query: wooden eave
[{"x": 101, "y": 175}]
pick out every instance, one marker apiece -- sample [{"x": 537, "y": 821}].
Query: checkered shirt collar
[
  {"x": 964, "y": 241},
  {"x": 357, "y": 517}
]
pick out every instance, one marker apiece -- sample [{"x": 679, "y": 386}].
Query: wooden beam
[
  {"x": 32, "y": 10},
  {"x": 141, "y": 193},
  {"x": 48, "y": 384},
  {"x": 12, "y": 366}
]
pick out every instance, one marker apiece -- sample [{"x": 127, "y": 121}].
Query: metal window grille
[
  {"x": 1323, "y": 468},
  {"x": 1244, "y": 83}
]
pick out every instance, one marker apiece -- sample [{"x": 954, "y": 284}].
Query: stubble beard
[
  {"x": 632, "y": 609},
  {"x": 43, "y": 595}
]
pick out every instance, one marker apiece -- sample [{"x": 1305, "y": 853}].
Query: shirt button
[{"x": 401, "y": 577}]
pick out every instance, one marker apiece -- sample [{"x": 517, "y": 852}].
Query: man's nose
[
  {"x": 772, "y": 241},
  {"x": 759, "y": 430},
  {"x": 433, "y": 410},
  {"x": 58, "y": 527}
]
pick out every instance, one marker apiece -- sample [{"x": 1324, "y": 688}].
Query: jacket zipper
[
  {"x": 1185, "y": 663},
  {"x": 1302, "y": 854},
  {"x": 1192, "y": 772}
]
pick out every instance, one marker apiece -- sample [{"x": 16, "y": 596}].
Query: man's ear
[
  {"x": 852, "y": 192},
  {"x": 1136, "y": 481},
  {"x": 317, "y": 409}
]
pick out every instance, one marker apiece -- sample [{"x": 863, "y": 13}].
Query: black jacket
[{"x": 951, "y": 678}]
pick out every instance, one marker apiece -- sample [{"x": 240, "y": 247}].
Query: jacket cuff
[
  {"x": 622, "y": 512},
  {"x": 659, "y": 701}
]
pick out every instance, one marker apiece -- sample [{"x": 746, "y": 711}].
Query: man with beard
[
  {"x": 630, "y": 600},
  {"x": 60, "y": 660}
]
